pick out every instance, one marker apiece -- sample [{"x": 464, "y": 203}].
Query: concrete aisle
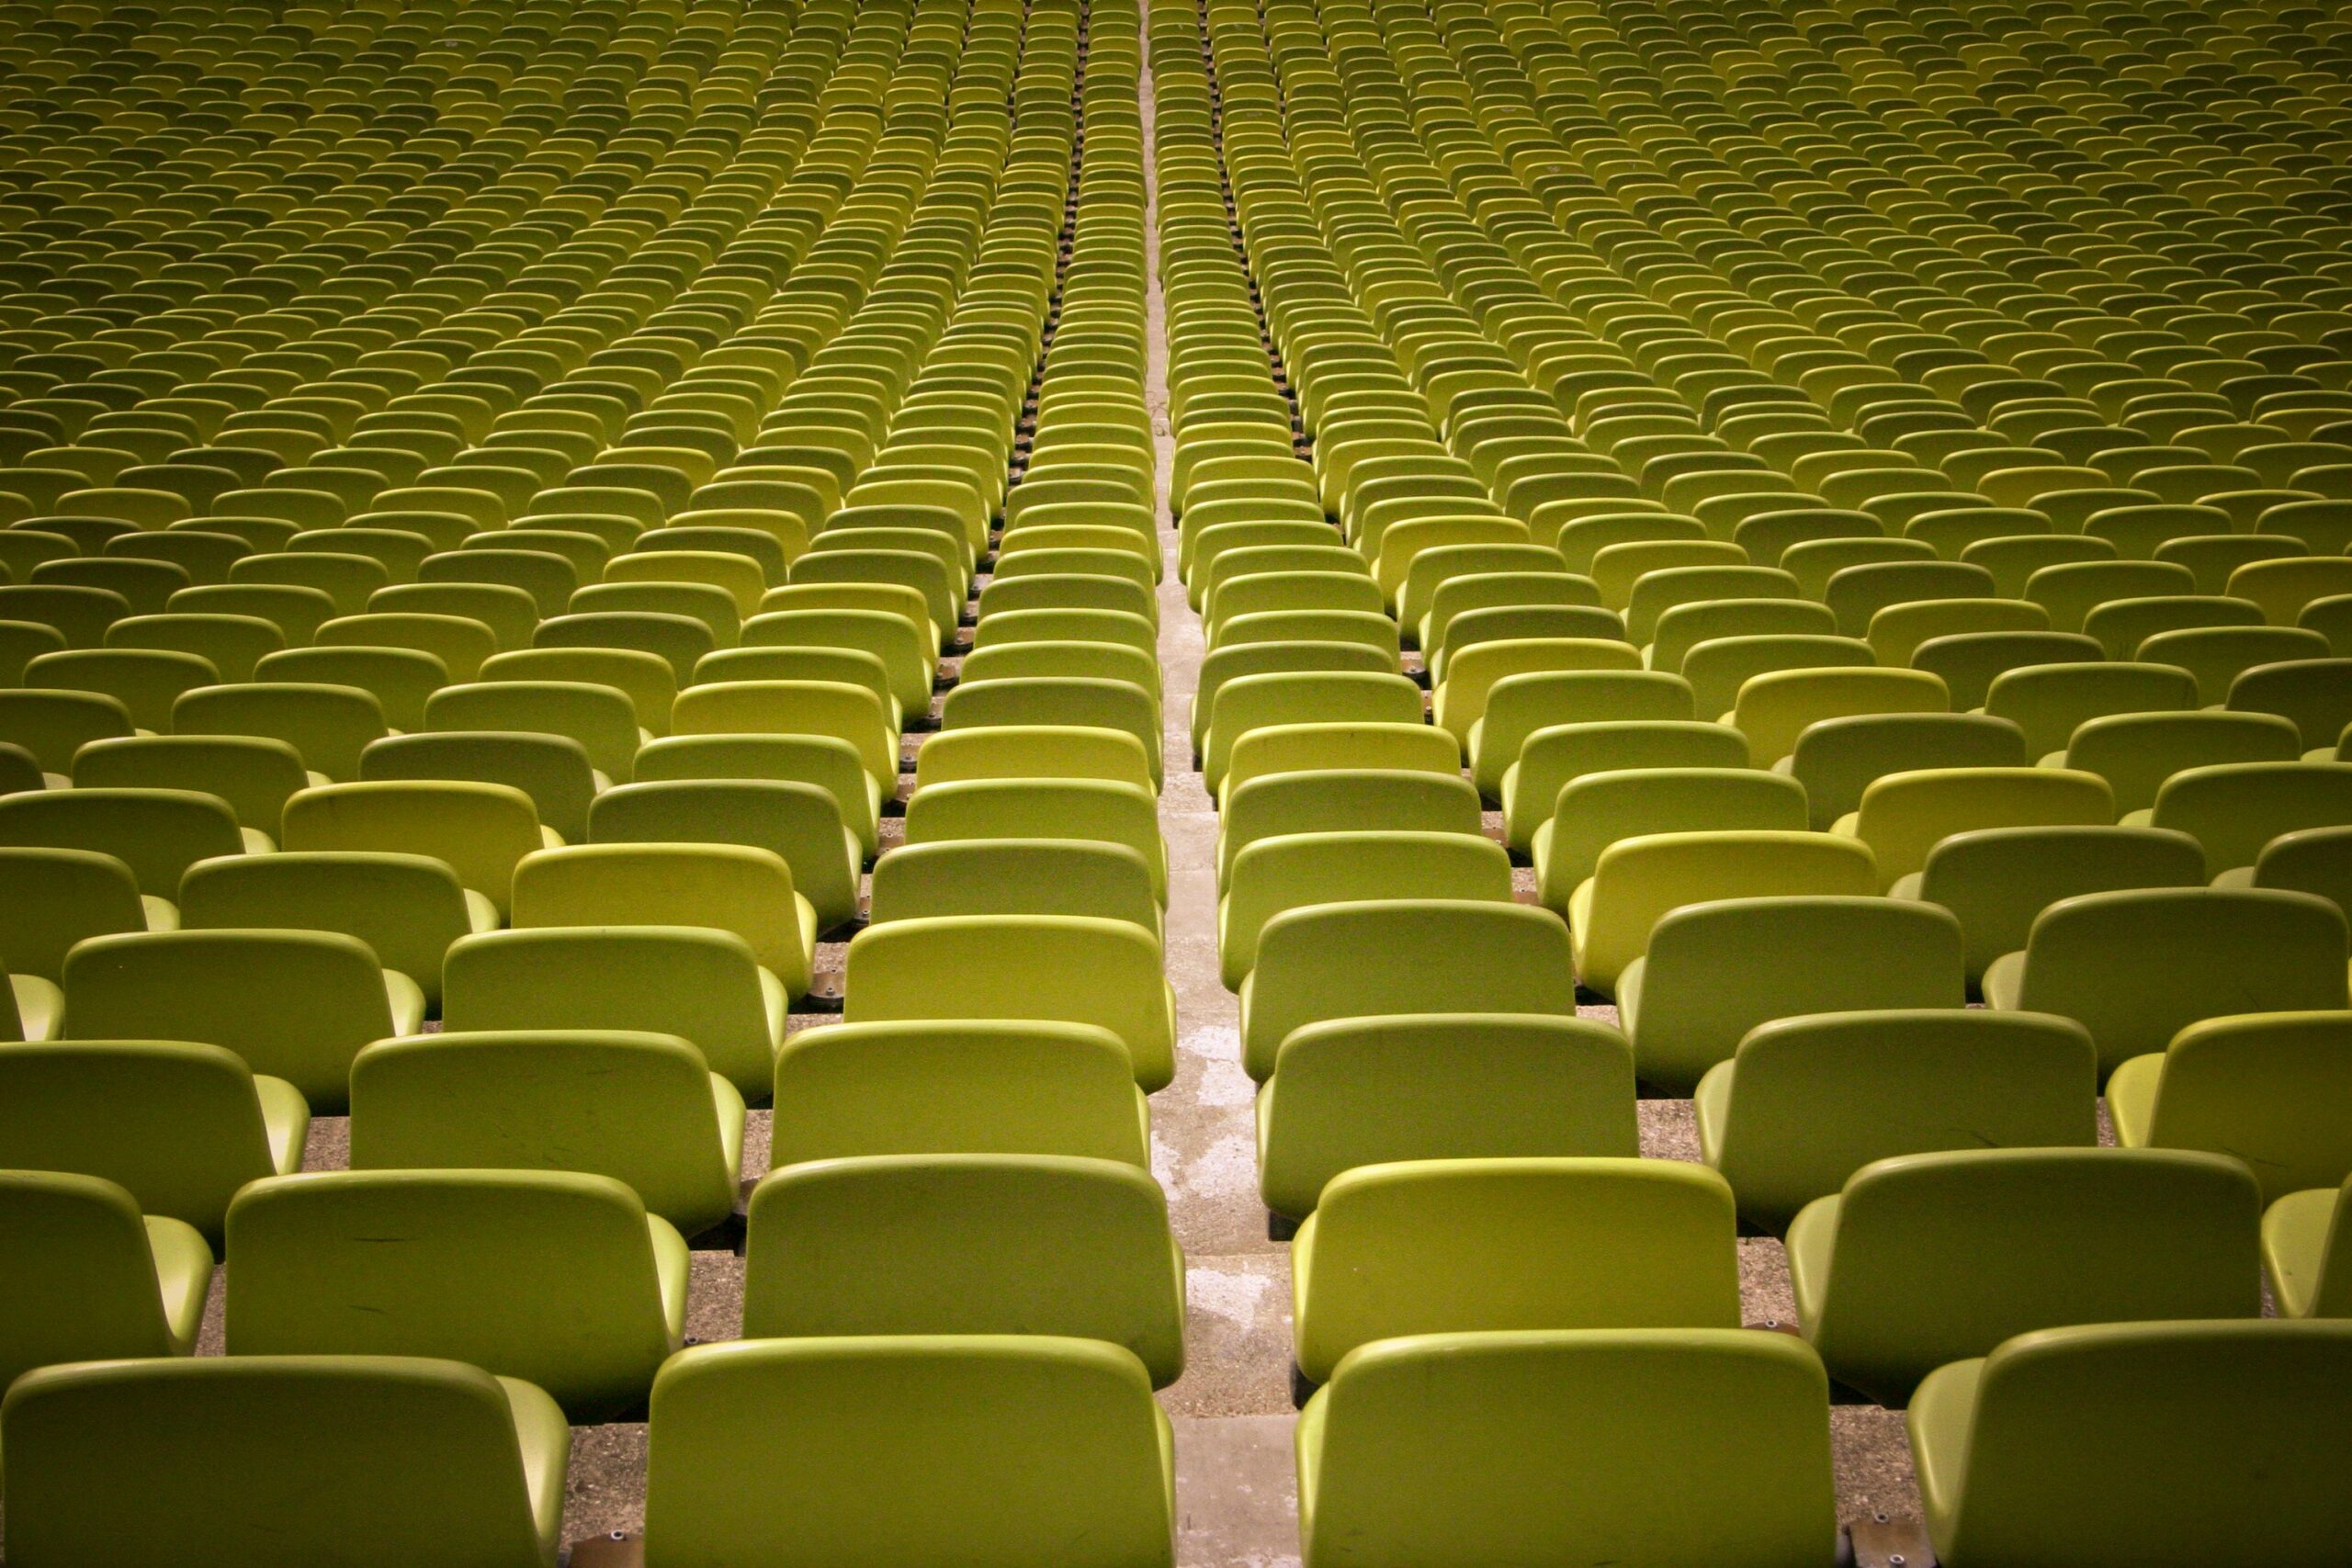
[
  {"x": 1237, "y": 1492},
  {"x": 1236, "y": 1488}
]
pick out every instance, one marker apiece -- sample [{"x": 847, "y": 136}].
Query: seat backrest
[
  {"x": 1021, "y": 1447},
  {"x": 961, "y": 1086},
  {"x": 407, "y": 908},
  {"x": 353, "y": 1445},
  {"x": 1742, "y": 1418},
  {"x": 729, "y": 887},
  {"x": 1095, "y": 702},
  {"x": 52, "y": 898},
  {"x": 1519, "y": 705},
  {"x": 2235, "y": 808},
  {"x": 602, "y": 718},
  {"x": 1275, "y": 874},
  {"x": 1335, "y": 800},
  {"x": 254, "y": 776},
  {"x": 53, "y": 725},
  {"x": 2316, "y": 695},
  {"x": 1444, "y": 1247},
  {"x": 694, "y": 981},
  {"x": 827, "y": 708},
  {"x": 1106, "y": 972},
  {"x": 1597, "y": 811},
  {"x": 1016, "y": 876},
  {"x": 1024, "y": 1244},
  {"x": 2267, "y": 1089},
  {"x": 2315, "y": 860},
  {"x": 1810, "y": 1100},
  {"x": 1355, "y": 959},
  {"x": 801, "y": 822},
  {"x": 178, "y": 1124},
  {"x": 2049, "y": 700},
  {"x": 86, "y": 1278},
  {"x": 2137, "y": 752},
  {"x": 578, "y": 1308},
  {"x": 2101, "y": 1443},
  {"x": 158, "y": 833},
  {"x": 329, "y": 999},
  {"x": 1244, "y": 703},
  {"x": 481, "y": 830},
  {"x": 329, "y": 726},
  {"x": 1775, "y": 709},
  {"x": 553, "y": 770},
  {"x": 2043, "y": 1237},
  {"x": 1717, "y": 667},
  {"x": 1903, "y": 816},
  {"x": 1713, "y": 971},
  {"x": 2138, "y": 967},
  {"x": 1637, "y": 881}
]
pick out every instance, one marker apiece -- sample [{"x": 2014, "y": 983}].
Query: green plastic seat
[
  {"x": 896, "y": 640},
  {"x": 1277, "y": 874},
  {"x": 2267, "y": 1089},
  {"x": 1463, "y": 1246},
  {"x": 825, "y": 708},
  {"x": 1637, "y": 882},
  {"x": 2304, "y": 1257},
  {"x": 1249, "y": 701},
  {"x": 592, "y": 1289},
  {"x": 1597, "y": 811},
  {"x": 831, "y": 764},
  {"x": 1398, "y": 745},
  {"x": 603, "y": 719},
  {"x": 54, "y": 897},
  {"x": 2162, "y": 1444},
  {"x": 2316, "y": 695},
  {"x": 408, "y": 908},
  {"x": 1081, "y": 809},
  {"x": 144, "y": 681},
  {"x": 2137, "y": 752},
  {"x": 2071, "y": 590},
  {"x": 2232, "y": 809},
  {"x": 1032, "y": 751},
  {"x": 1714, "y": 970},
  {"x": 2315, "y": 860},
  {"x": 641, "y": 1108},
  {"x": 2043, "y": 1238},
  {"x": 53, "y": 725},
  {"x": 698, "y": 982},
  {"x": 2218, "y": 656},
  {"x": 93, "y": 1279},
  {"x": 2049, "y": 702},
  {"x": 1098, "y": 704},
  {"x": 1107, "y": 973},
  {"x": 735, "y": 889},
  {"x": 2137, "y": 968},
  {"x": 1006, "y": 1244},
  {"x": 1809, "y": 1099},
  {"x": 1534, "y": 739},
  {"x": 1902, "y": 817},
  {"x": 157, "y": 833},
  {"x": 1023, "y": 1445},
  {"x": 328, "y": 726},
  {"x": 481, "y": 831},
  {"x": 1550, "y": 1444},
  {"x": 2284, "y": 587},
  {"x": 1364, "y": 1090},
  {"x": 98, "y": 1463},
  {"x": 1015, "y": 876},
  {"x": 1360, "y": 959},
  {"x": 957, "y": 1087},
  {"x": 801, "y": 823},
  {"x": 1774, "y": 709}
]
